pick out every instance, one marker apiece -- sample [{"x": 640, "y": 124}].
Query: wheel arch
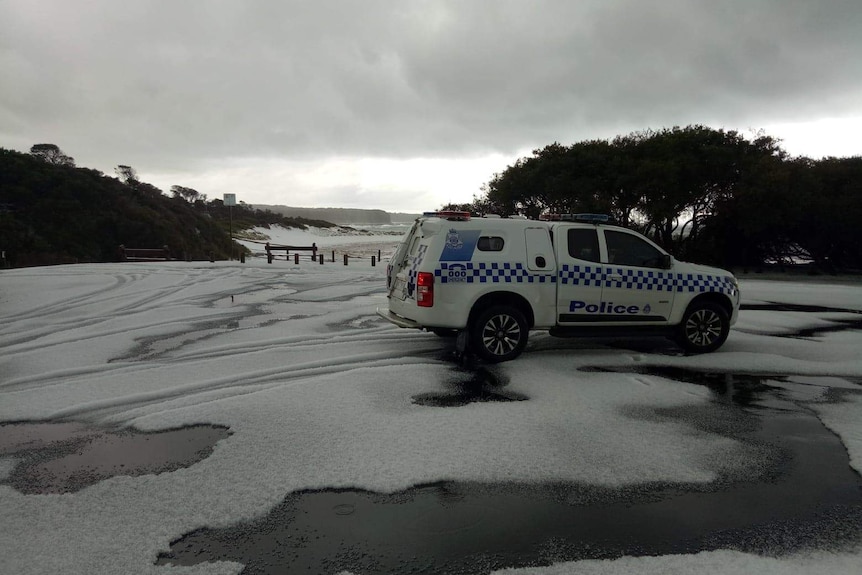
[
  {"x": 502, "y": 298},
  {"x": 714, "y": 297}
]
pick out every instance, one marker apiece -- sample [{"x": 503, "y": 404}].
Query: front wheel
[
  {"x": 704, "y": 327},
  {"x": 499, "y": 334}
]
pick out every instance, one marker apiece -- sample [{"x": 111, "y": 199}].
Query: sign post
[{"x": 230, "y": 202}]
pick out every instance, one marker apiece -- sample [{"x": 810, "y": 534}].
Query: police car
[{"x": 491, "y": 280}]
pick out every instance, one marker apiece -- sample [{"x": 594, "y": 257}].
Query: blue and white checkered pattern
[
  {"x": 482, "y": 272},
  {"x": 597, "y": 276},
  {"x": 413, "y": 272},
  {"x": 581, "y": 275}
]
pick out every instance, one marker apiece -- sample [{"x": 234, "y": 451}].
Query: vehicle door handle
[{"x": 615, "y": 278}]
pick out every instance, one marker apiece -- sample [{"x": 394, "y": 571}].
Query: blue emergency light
[{"x": 593, "y": 218}]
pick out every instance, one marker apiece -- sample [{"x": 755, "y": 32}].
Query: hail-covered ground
[{"x": 317, "y": 393}]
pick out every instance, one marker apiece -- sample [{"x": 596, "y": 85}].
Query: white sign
[{"x": 230, "y": 199}]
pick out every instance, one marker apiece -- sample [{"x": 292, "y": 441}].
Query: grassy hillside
[{"x": 53, "y": 214}]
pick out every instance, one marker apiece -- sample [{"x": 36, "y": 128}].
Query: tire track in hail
[
  {"x": 139, "y": 306},
  {"x": 92, "y": 298},
  {"x": 293, "y": 343},
  {"x": 298, "y": 342},
  {"x": 66, "y": 304},
  {"x": 238, "y": 384},
  {"x": 151, "y": 301}
]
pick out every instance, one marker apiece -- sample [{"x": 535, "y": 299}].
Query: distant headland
[{"x": 343, "y": 216}]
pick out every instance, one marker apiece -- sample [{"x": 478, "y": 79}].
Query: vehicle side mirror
[{"x": 666, "y": 262}]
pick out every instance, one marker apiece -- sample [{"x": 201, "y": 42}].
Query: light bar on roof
[
  {"x": 593, "y": 218},
  {"x": 598, "y": 218},
  {"x": 448, "y": 215}
]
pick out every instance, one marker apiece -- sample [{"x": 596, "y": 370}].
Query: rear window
[
  {"x": 490, "y": 244},
  {"x": 414, "y": 245},
  {"x": 584, "y": 244}
]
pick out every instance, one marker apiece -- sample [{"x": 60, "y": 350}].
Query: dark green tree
[
  {"x": 188, "y": 194},
  {"x": 52, "y": 154},
  {"x": 705, "y": 194},
  {"x": 127, "y": 175},
  {"x": 829, "y": 225}
]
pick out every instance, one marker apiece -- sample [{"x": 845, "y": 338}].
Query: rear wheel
[
  {"x": 499, "y": 334},
  {"x": 704, "y": 327}
]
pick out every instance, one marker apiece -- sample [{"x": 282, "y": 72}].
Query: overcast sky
[{"x": 405, "y": 105}]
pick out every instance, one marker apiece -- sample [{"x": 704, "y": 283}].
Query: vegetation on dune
[{"x": 52, "y": 212}]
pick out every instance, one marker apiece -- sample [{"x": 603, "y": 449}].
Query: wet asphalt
[{"x": 803, "y": 494}]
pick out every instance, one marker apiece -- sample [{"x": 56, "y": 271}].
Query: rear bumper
[{"x": 397, "y": 319}]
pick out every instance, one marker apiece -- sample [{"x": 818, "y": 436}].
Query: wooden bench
[
  {"x": 161, "y": 254},
  {"x": 270, "y": 248}
]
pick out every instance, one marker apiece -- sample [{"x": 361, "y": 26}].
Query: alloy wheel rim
[
  {"x": 501, "y": 334},
  {"x": 703, "y": 327}
]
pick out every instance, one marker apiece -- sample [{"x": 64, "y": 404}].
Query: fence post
[
  {"x": 373, "y": 261},
  {"x": 321, "y": 259},
  {"x": 378, "y": 255},
  {"x": 345, "y": 259},
  {"x": 296, "y": 258},
  {"x": 333, "y": 256}
]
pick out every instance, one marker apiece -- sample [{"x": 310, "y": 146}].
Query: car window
[
  {"x": 630, "y": 250},
  {"x": 490, "y": 244},
  {"x": 584, "y": 244},
  {"x": 414, "y": 245}
]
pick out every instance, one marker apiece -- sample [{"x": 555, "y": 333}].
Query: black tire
[
  {"x": 499, "y": 334},
  {"x": 703, "y": 328}
]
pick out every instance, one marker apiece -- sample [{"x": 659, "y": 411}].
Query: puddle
[
  {"x": 795, "y": 307},
  {"x": 741, "y": 389},
  {"x": 791, "y": 489},
  {"x": 65, "y": 457},
  {"x": 839, "y": 325},
  {"x": 470, "y": 386}
]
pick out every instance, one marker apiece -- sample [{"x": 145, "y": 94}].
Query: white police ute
[{"x": 491, "y": 280}]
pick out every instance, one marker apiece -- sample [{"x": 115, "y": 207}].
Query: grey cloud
[{"x": 171, "y": 83}]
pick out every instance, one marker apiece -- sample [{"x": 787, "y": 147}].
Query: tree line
[
  {"x": 703, "y": 194},
  {"x": 53, "y": 212}
]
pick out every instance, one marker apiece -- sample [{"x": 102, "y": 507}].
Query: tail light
[{"x": 425, "y": 289}]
